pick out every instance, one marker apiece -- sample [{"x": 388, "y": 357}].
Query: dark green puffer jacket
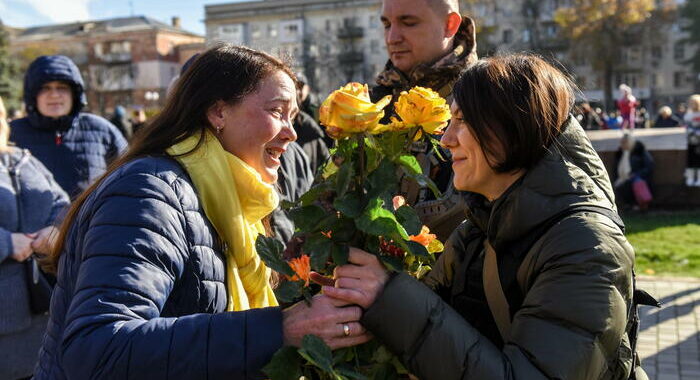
[{"x": 570, "y": 320}]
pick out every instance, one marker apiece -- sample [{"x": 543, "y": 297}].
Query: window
[
  {"x": 551, "y": 31},
  {"x": 272, "y": 30},
  {"x": 328, "y": 25},
  {"x": 98, "y": 49},
  {"x": 254, "y": 31},
  {"x": 374, "y": 46},
  {"x": 656, "y": 52},
  {"x": 507, "y": 36},
  {"x": 678, "y": 79},
  {"x": 526, "y": 35},
  {"x": 679, "y": 51}
]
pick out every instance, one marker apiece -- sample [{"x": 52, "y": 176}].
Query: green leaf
[
  {"x": 313, "y": 194},
  {"x": 383, "y": 180},
  {"x": 350, "y": 205},
  {"x": 289, "y": 291},
  {"x": 343, "y": 178},
  {"x": 317, "y": 352},
  {"x": 350, "y": 373},
  {"x": 392, "y": 262},
  {"x": 340, "y": 254},
  {"x": 270, "y": 252},
  {"x": 284, "y": 365},
  {"x": 307, "y": 218},
  {"x": 286, "y": 205},
  {"x": 382, "y": 355},
  {"x": 417, "y": 249},
  {"x": 410, "y": 163},
  {"x": 385, "y": 371},
  {"x": 409, "y": 219},
  {"x": 343, "y": 230},
  {"x": 424, "y": 181},
  {"x": 318, "y": 247},
  {"x": 378, "y": 221}
]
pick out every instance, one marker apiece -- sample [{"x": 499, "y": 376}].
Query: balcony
[
  {"x": 115, "y": 58},
  {"x": 350, "y": 32},
  {"x": 351, "y": 57}
]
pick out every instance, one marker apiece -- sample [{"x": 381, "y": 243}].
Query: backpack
[{"x": 500, "y": 308}]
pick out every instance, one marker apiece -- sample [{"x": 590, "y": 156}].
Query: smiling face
[
  {"x": 414, "y": 33},
  {"x": 55, "y": 99},
  {"x": 258, "y": 128},
  {"x": 471, "y": 168}
]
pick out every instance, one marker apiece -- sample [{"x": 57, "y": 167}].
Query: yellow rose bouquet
[{"x": 354, "y": 203}]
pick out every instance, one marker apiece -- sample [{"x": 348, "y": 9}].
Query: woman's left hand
[
  {"x": 360, "y": 281},
  {"x": 45, "y": 240}
]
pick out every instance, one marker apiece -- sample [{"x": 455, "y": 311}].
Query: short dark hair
[{"x": 515, "y": 105}]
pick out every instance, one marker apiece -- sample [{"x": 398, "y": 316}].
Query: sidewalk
[{"x": 669, "y": 339}]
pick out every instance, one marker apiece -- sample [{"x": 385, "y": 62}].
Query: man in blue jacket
[{"x": 76, "y": 147}]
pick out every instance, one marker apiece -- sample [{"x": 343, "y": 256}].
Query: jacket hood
[
  {"x": 570, "y": 174},
  {"x": 49, "y": 68}
]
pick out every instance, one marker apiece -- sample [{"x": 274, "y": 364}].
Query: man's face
[
  {"x": 55, "y": 99},
  {"x": 413, "y": 33}
]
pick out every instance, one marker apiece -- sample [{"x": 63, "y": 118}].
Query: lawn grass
[{"x": 666, "y": 243}]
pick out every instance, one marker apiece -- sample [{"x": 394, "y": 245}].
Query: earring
[{"x": 219, "y": 129}]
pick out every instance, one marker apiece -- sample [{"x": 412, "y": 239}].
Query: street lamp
[{"x": 152, "y": 96}]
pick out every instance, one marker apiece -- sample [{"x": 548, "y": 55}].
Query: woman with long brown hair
[{"x": 158, "y": 276}]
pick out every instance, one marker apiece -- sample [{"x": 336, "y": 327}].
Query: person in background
[
  {"x": 613, "y": 121},
  {"x": 429, "y": 43},
  {"x": 158, "y": 271},
  {"x": 588, "y": 119},
  {"x": 692, "y": 121},
  {"x": 627, "y": 105},
  {"x": 121, "y": 121},
  {"x": 632, "y": 163},
  {"x": 30, "y": 201},
  {"x": 138, "y": 119},
  {"x": 76, "y": 147},
  {"x": 666, "y": 119},
  {"x": 309, "y": 134},
  {"x": 642, "y": 120}
]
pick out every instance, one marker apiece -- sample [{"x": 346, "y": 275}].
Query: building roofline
[{"x": 241, "y": 9}]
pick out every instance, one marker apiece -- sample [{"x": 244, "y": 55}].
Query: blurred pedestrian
[
  {"x": 138, "y": 119},
  {"x": 633, "y": 163},
  {"x": 613, "y": 121},
  {"x": 310, "y": 136},
  {"x": 642, "y": 120},
  {"x": 30, "y": 200},
  {"x": 588, "y": 119},
  {"x": 121, "y": 121},
  {"x": 667, "y": 119},
  {"x": 627, "y": 105},
  {"x": 692, "y": 121},
  {"x": 76, "y": 147}
]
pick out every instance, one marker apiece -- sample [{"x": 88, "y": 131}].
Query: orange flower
[
  {"x": 428, "y": 240},
  {"x": 302, "y": 268}
]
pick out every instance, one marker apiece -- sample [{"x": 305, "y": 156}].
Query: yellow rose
[
  {"x": 421, "y": 107},
  {"x": 349, "y": 110}
]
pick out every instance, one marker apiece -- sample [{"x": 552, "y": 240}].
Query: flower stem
[{"x": 361, "y": 169}]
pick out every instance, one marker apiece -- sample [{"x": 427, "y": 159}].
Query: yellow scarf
[{"x": 235, "y": 199}]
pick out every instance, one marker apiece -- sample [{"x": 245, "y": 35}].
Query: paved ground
[{"x": 669, "y": 342}]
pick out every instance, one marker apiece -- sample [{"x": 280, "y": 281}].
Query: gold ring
[{"x": 346, "y": 329}]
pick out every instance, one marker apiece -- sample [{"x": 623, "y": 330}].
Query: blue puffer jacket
[
  {"x": 141, "y": 291},
  {"x": 76, "y": 148},
  {"x": 29, "y": 200}
]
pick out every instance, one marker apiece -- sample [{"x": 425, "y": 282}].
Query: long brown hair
[
  {"x": 224, "y": 72},
  {"x": 516, "y": 104}
]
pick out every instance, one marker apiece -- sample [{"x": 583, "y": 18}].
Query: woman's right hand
[
  {"x": 325, "y": 318},
  {"x": 22, "y": 246}
]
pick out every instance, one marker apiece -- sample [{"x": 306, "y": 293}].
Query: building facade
[
  {"x": 653, "y": 62},
  {"x": 124, "y": 61},
  {"x": 331, "y": 41}
]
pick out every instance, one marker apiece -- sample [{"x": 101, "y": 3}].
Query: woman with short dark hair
[
  {"x": 537, "y": 283},
  {"x": 158, "y": 274}
]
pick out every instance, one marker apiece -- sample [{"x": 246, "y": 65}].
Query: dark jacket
[
  {"x": 295, "y": 179},
  {"x": 641, "y": 162},
  {"x": 571, "y": 316},
  {"x": 310, "y": 137},
  {"x": 75, "y": 148},
  {"x": 141, "y": 293},
  {"x": 41, "y": 200},
  {"x": 669, "y": 122}
]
